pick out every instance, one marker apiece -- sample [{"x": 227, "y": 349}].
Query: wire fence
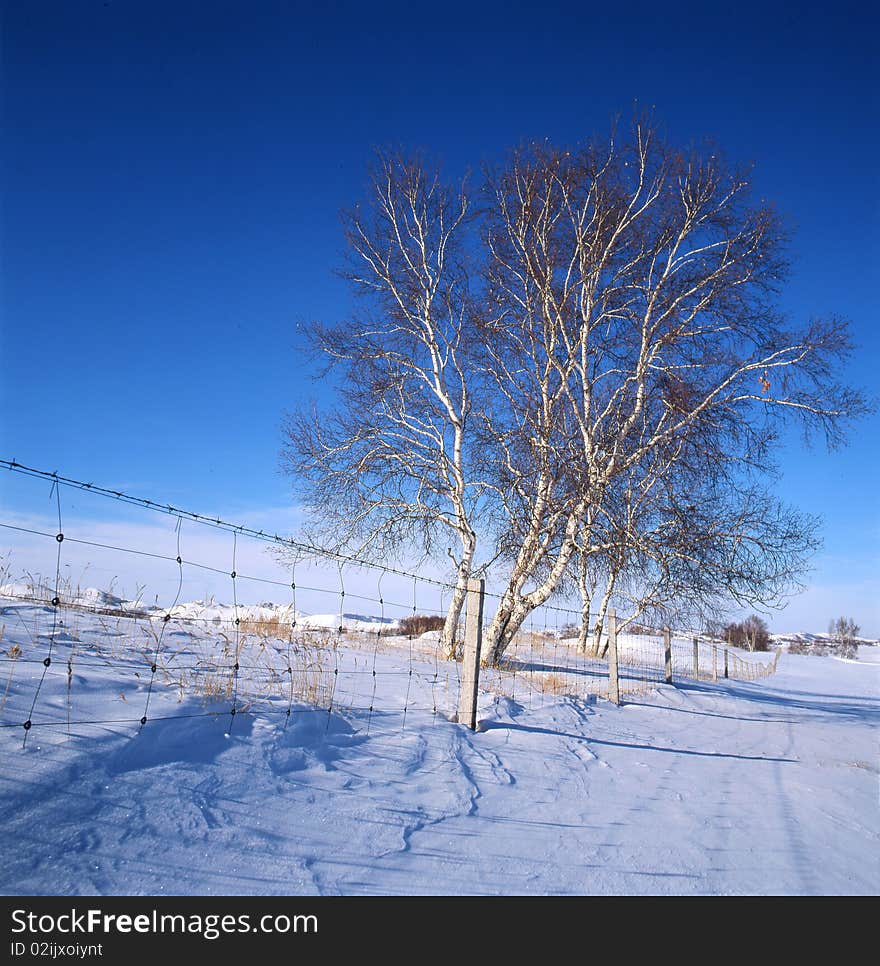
[{"x": 194, "y": 635}]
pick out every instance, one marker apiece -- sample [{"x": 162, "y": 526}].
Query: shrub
[
  {"x": 420, "y": 624},
  {"x": 641, "y": 629}
]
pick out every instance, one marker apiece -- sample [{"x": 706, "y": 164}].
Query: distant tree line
[{"x": 751, "y": 633}]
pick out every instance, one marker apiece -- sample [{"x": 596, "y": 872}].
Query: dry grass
[
  {"x": 562, "y": 684},
  {"x": 268, "y": 667},
  {"x": 273, "y": 628},
  {"x": 534, "y": 639},
  {"x": 417, "y": 624},
  {"x": 14, "y": 653}
]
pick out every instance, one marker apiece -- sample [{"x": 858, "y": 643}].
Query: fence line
[{"x": 243, "y": 659}]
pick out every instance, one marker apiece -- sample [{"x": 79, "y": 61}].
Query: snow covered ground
[{"x": 768, "y": 786}]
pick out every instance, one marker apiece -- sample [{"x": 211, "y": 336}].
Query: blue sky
[{"x": 172, "y": 175}]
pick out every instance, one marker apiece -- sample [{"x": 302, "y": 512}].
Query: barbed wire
[
  {"x": 225, "y": 525},
  {"x": 216, "y": 522},
  {"x": 304, "y": 661},
  {"x": 47, "y": 661}
]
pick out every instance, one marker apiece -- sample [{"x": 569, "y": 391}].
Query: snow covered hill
[{"x": 804, "y": 642}]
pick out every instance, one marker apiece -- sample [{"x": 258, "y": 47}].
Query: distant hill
[{"x": 803, "y": 642}]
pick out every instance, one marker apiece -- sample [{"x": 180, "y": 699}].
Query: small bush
[
  {"x": 421, "y": 624},
  {"x": 641, "y": 629}
]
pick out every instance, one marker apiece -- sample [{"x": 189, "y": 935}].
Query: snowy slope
[{"x": 731, "y": 787}]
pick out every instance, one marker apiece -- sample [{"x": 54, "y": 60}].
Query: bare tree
[
  {"x": 597, "y": 383},
  {"x": 757, "y": 634},
  {"x": 632, "y": 309},
  {"x": 844, "y": 631},
  {"x": 752, "y": 633},
  {"x": 390, "y": 466},
  {"x": 690, "y": 540}
]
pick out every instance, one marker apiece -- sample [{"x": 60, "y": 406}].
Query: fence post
[
  {"x": 667, "y": 648},
  {"x": 725, "y": 662},
  {"x": 714, "y": 662},
  {"x": 470, "y": 667},
  {"x": 613, "y": 681},
  {"x": 697, "y": 658}
]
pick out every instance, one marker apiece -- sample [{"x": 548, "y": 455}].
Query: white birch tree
[
  {"x": 632, "y": 308},
  {"x": 390, "y": 466},
  {"x": 595, "y": 383}
]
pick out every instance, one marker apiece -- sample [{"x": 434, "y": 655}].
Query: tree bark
[
  {"x": 584, "y": 632},
  {"x": 448, "y": 637},
  {"x": 600, "y": 649}
]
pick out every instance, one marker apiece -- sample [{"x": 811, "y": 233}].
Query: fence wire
[{"x": 86, "y": 658}]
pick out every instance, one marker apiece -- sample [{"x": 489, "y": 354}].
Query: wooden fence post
[
  {"x": 613, "y": 680},
  {"x": 470, "y": 663},
  {"x": 714, "y": 662},
  {"x": 697, "y": 658},
  {"x": 667, "y": 648},
  {"x": 725, "y": 662}
]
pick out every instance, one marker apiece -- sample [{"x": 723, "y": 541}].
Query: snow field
[{"x": 765, "y": 786}]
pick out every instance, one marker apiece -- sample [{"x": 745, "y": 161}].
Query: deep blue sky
[{"x": 172, "y": 175}]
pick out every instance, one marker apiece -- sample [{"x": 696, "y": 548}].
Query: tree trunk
[
  {"x": 448, "y": 637},
  {"x": 515, "y": 606},
  {"x": 600, "y": 649},
  {"x": 586, "y": 600},
  {"x": 507, "y": 621},
  {"x": 584, "y": 633}
]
